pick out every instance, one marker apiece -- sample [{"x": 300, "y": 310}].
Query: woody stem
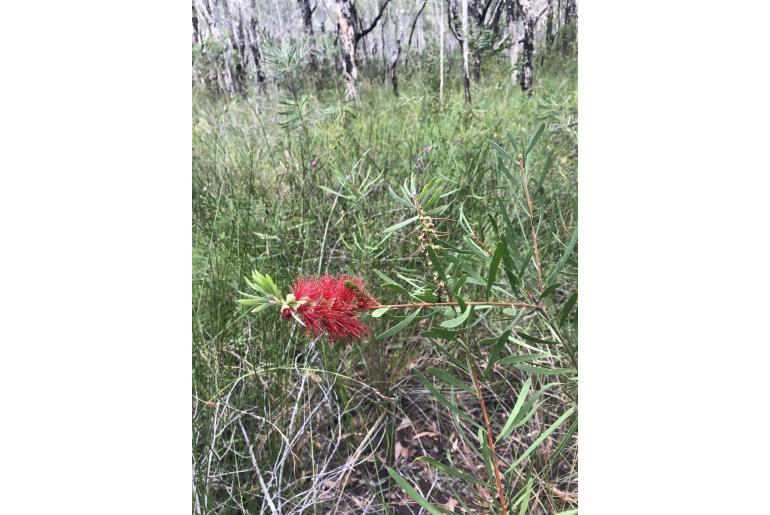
[{"x": 455, "y": 303}]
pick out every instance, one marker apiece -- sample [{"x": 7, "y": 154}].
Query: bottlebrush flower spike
[{"x": 330, "y": 305}]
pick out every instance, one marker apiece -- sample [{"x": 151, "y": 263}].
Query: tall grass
[{"x": 299, "y": 184}]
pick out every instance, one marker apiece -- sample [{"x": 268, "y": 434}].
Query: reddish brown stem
[
  {"x": 538, "y": 265},
  {"x": 490, "y": 441},
  {"x": 455, "y": 303}
]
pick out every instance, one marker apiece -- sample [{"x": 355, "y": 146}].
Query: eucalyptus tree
[{"x": 350, "y": 33}]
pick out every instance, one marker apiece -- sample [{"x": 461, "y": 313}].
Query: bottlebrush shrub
[
  {"x": 328, "y": 305},
  {"x": 525, "y": 278}
]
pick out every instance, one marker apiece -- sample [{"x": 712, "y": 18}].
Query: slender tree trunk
[
  {"x": 233, "y": 16},
  {"x": 570, "y": 29},
  {"x": 411, "y": 33},
  {"x": 466, "y": 78},
  {"x": 254, "y": 46},
  {"x": 224, "y": 72},
  {"x": 196, "y": 38},
  {"x": 528, "y": 46},
  {"x": 440, "y": 53},
  {"x": 392, "y": 67},
  {"x": 349, "y": 37},
  {"x": 478, "y": 15},
  {"x": 549, "y": 26},
  {"x": 348, "y": 48},
  {"x": 513, "y": 51},
  {"x": 307, "y": 23},
  {"x": 384, "y": 52}
]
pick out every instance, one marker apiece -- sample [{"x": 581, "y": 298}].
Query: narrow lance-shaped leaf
[
  {"x": 377, "y": 313},
  {"x": 454, "y": 322},
  {"x": 399, "y": 326},
  {"x": 451, "y": 380},
  {"x": 493, "y": 355},
  {"x": 446, "y": 402},
  {"x": 399, "y": 225},
  {"x": 414, "y": 494},
  {"x": 498, "y": 254},
  {"x": 544, "y": 371},
  {"x": 535, "y": 139},
  {"x": 565, "y": 256},
  {"x": 512, "y": 360},
  {"x": 540, "y": 440},
  {"x": 568, "y": 307},
  {"x": 450, "y": 471},
  {"x": 508, "y": 427}
]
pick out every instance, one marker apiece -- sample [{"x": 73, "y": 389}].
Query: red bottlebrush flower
[{"x": 330, "y": 305}]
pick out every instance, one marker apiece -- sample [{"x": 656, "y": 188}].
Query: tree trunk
[
  {"x": 394, "y": 58},
  {"x": 256, "y": 51},
  {"x": 348, "y": 48},
  {"x": 478, "y": 15},
  {"x": 349, "y": 37},
  {"x": 307, "y": 23},
  {"x": 570, "y": 29},
  {"x": 411, "y": 33},
  {"x": 233, "y": 16},
  {"x": 224, "y": 72},
  {"x": 384, "y": 52},
  {"x": 466, "y": 78},
  {"x": 528, "y": 45},
  {"x": 549, "y": 26},
  {"x": 196, "y": 38},
  {"x": 441, "y": 54},
  {"x": 513, "y": 51}
]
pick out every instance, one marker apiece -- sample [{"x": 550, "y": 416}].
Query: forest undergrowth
[{"x": 427, "y": 200}]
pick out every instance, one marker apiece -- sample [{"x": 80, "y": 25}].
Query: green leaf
[
  {"x": 510, "y": 268},
  {"x": 377, "y": 313},
  {"x": 390, "y": 283},
  {"x": 498, "y": 254},
  {"x": 399, "y": 225},
  {"x": 398, "y": 199},
  {"x": 438, "y": 332},
  {"x": 545, "y": 371},
  {"x": 508, "y": 156},
  {"x": 449, "y": 379},
  {"x": 568, "y": 512},
  {"x": 564, "y": 257},
  {"x": 414, "y": 494},
  {"x": 252, "y": 301},
  {"x": 535, "y": 340},
  {"x": 535, "y": 139},
  {"x": 493, "y": 355},
  {"x": 446, "y": 402},
  {"x": 510, "y": 360},
  {"x": 454, "y": 322},
  {"x": 263, "y": 307},
  {"x": 546, "y": 169},
  {"x": 567, "y": 307},
  {"x": 501, "y": 151},
  {"x": 508, "y": 427},
  {"x": 399, "y": 326},
  {"x": 525, "y": 498},
  {"x": 449, "y": 471},
  {"x": 439, "y": 268},
  {"x": 329, "y": 190},
  {"x": 540, "y": 440},
  {"x": 427, "y": 189}
]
